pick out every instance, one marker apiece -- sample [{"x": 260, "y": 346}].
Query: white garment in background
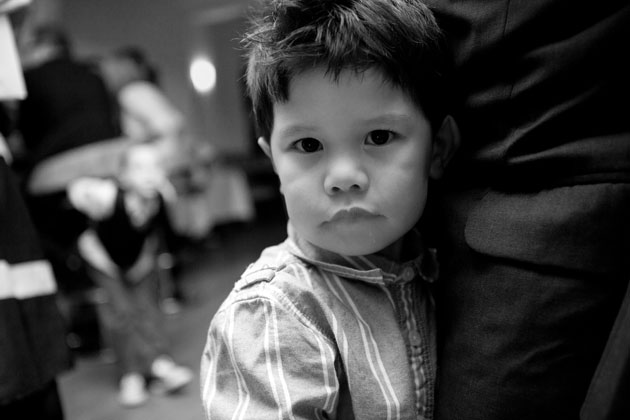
[
  {"x": 147, "y": 112},
  {"x": 11, "y": 78}
]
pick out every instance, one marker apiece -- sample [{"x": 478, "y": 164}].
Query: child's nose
[{"x": 345, "y": 175}]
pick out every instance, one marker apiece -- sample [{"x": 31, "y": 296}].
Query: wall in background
[
  {"x": 172, "y": 33},
  {"x": 225, "y": 109}
]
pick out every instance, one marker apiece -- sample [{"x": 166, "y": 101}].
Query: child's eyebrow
[
  {"x": 392, "y": 118},
  {"x": 295, "y": 130}
]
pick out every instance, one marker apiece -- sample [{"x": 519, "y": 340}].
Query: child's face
[
  {"x": 142, "y": 171},
  {"x": 353, "y": 158}
]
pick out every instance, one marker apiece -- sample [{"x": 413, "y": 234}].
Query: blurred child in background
[{"x": 121, "y": 249}]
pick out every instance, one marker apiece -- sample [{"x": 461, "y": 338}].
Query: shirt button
[
  {"x": 415, "y": 339},
  {"x": 408, "y": 274}
]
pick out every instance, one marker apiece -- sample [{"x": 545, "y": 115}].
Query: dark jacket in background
[
  {"x": 33, "y": 349},
  {"x": 536, "y": 206},
  {"x": 67, "y": 106}
]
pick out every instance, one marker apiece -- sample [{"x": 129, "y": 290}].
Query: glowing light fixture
[{"x": 203, "y": 75}]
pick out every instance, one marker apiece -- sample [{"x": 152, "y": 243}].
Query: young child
[
  {"x": 121, "y": 250},
  {"x": 337, "y": 321}
]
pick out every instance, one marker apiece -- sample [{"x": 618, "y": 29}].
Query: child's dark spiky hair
[{"x": 399, "y": 37}]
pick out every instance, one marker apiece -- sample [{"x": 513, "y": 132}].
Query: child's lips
[{"x": 352, "y": 215}]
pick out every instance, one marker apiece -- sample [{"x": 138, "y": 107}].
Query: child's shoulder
[
  {"x": 276, "y": 265},
  {"x": 279, "y": 280}
]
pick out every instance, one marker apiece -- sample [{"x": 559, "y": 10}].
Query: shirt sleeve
[{"x": 264, "y": 360}]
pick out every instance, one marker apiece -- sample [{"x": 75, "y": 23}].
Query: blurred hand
[{"x": 94, "y": 197}]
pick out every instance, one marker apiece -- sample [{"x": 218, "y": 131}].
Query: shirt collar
[{"x": 372, "y": 268}]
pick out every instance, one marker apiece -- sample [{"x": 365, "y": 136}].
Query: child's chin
[{"x": 355, "y": 246}]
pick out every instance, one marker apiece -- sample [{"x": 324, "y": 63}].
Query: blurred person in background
[
  {"x": 121, "y": 250},
  {"x": 147, "y": 115},
  {"x": 33, "y": 350},
  {"x": 69, "y": 129}
]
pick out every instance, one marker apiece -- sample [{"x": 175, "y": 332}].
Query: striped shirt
[{"x": 309, "y": 334}]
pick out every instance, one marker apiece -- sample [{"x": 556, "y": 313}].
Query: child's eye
[
  {"x": 379, "y": 137},
  {"x": 308, "y": 145}
]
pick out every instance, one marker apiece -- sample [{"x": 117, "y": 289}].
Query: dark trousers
[
  {"x": 44, "y": 404},
  {"x": 517, "y": 340}
]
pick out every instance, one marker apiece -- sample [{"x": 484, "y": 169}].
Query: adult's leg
[{"x": 516, "y": 340}]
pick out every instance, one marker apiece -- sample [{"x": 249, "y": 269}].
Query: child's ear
[
  {"x": 445, "y": 143},
  {"x": 264, "y": 145}
]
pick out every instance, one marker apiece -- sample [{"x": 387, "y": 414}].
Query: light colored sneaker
[
  {"x": 170, "y": 306},
  {"x": 133, "y": 391},
  {"x": 170, "y": 377}
]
